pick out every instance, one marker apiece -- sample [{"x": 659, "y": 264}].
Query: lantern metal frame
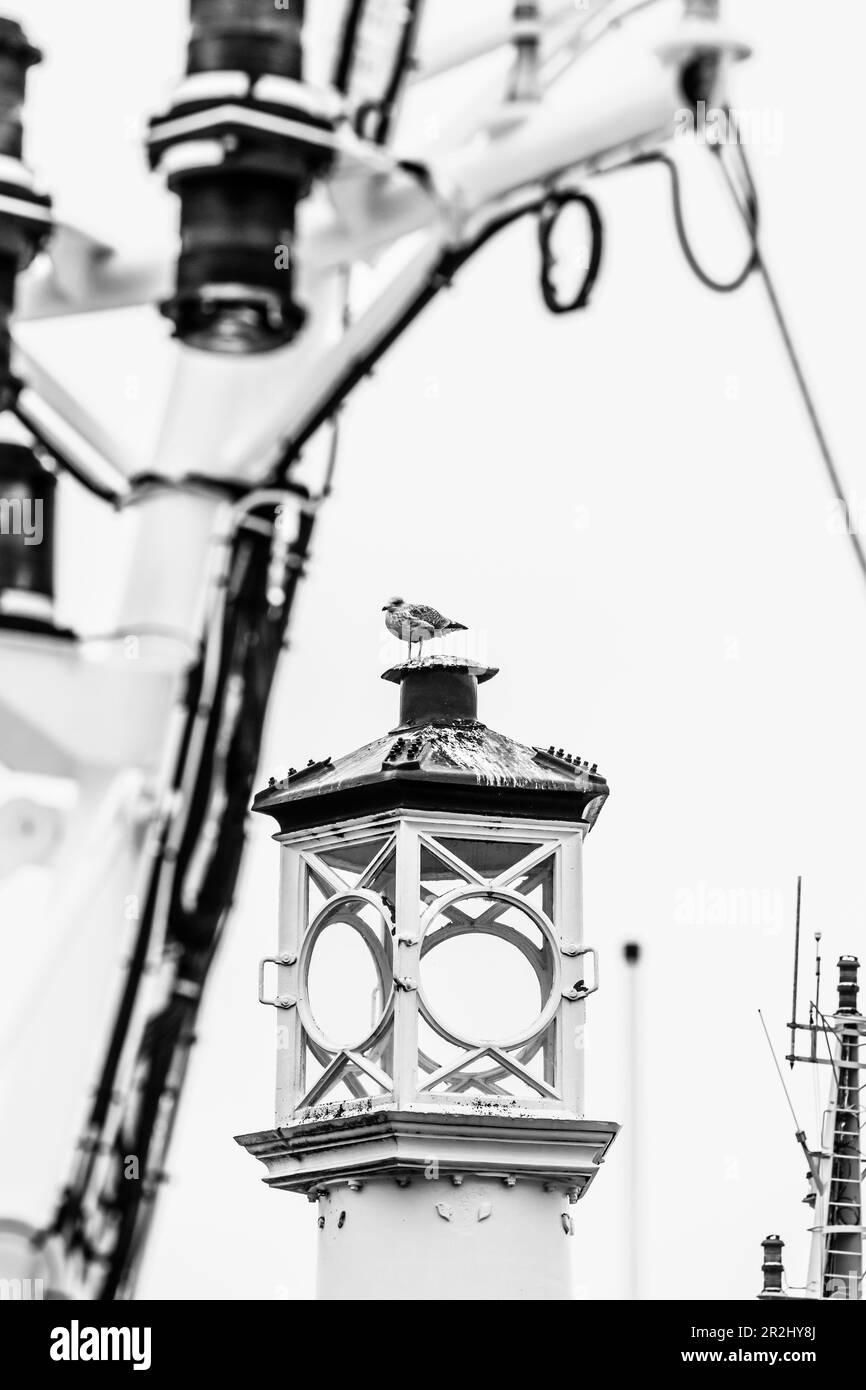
[{"x": 406, "y": 1080}]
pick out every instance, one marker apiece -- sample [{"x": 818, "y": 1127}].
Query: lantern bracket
[
  {"x": 581, "y": 990},
  {"x": 280, "y": 1001}
]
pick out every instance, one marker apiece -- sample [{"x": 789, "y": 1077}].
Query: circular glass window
[
  {"x": 487, "y": 970},
  {"x": 348, "y": 974}
]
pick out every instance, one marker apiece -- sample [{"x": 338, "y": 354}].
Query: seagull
[{"x": 415, "y": 622}]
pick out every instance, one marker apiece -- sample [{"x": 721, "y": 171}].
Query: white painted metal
[
  {"x": 844, "y": 1026},
  {"x": 69, "y": 708},
  {"x": 570, "y": 1032},
  {"x": 289, "y": 1069},
  {"x": 107, "y": 703},
  {"x": 394, "y": 1178},
  {"x": 423, "y": 1195},
  {"x": 432, "y": 1240},
  {"x": 563, "y": 932},
  {"x": 83, "y": 280},
  {"x": 77, "y": 939},
  {"x": 482, "y": 34},
  {"x": 582, "y": 120},
  {"x": 106, "y": 444},
  {"x": 49, "y": 425},
  {"x": 170, "y": 535},
  {"x": 576, "y": 123},
  {"x": 408, "y": 905}
]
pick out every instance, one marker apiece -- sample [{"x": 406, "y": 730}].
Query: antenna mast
[
  {"x": 836, "y": 1167},
  {"x": 796, "y": 969},
  {"x": 838, "y": 1238}
]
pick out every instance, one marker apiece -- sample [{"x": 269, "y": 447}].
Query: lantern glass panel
[
  {"x": 488, "y": 858},
  {"x": 317, "y": 894},
  {"x": 486, "y": 969},
  {"x": 471, "y": 1012},
  {"x": 537, "y": 886},
  {"x": 384, "y": 880},
  {"x": 349, "y": 972},
  {"x": 438, "y": 877},
  {"x": 351, "y": 860},
  {"x": 475, "y": 981},
  {"x": 485, "y": 1076}
]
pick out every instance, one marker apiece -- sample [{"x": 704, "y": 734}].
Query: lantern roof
[{"x": 439, "y": 757}]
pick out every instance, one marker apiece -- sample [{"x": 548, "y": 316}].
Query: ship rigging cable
[
  {"x": 746, "y": 199},
  {"x": 799, "y": 373},
  {"x": 717, "y": 286},
  {"x": 548, "y": 218}
]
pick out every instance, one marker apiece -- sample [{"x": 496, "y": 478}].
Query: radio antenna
[
  {"x": 817, "y": 992},
  {"x": 796, "y": 968}
]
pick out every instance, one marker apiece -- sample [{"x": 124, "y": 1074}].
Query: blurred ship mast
[{"x": 836, "y": 1166}]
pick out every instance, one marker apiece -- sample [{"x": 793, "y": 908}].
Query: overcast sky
[{"x": 628, "y": 509}]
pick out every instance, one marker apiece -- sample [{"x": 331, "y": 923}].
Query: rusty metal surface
[
  {"x": 466, "y": 753},
  {"x": 459, "y": 664},
  {"x": 516, "y": 1143}
]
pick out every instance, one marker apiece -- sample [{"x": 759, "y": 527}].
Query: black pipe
[
  {"x": 235, "y": 275},
  {"x": 22, "y": 232}
]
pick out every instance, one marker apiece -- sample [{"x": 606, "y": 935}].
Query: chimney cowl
[
  {"x": 849, "y": 968},
  {"x": 438, "y": 688}
]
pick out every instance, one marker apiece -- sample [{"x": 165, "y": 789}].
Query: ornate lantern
[{"x": 430, "y": 988}]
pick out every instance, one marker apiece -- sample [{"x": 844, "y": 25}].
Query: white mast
[{"x": 836, "y": 1259}]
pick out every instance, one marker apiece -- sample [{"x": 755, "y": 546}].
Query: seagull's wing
[{"x": 421, "y": 613}]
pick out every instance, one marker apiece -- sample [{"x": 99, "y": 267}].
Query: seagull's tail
[{"x": 457, "y": 627}]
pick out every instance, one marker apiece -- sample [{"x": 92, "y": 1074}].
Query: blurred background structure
[{"x": 628, "y": 499}]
